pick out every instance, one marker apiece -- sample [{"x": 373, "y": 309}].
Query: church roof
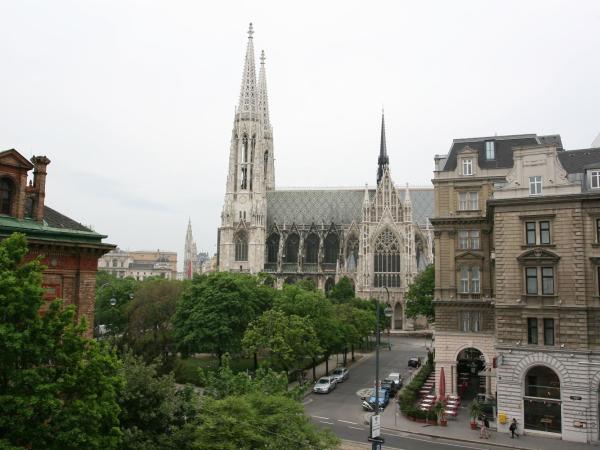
[{"x": 340, "y": 206}]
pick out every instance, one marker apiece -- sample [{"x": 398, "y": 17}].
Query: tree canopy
[{"x": 419, "y": 298}]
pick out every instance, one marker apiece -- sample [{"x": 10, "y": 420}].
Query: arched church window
[
  {"x": 266, "y": 164},
  {"x": 386, "y": 260},
  {"x": 352, "y": 254},
  {"x": 241, "y": 247},
  {"x": 291, "y": 248},
  {"x": 332, "y": 248},
  {"x": 245, "y": 149},
  {"x": 272, "y": 248},
  {"x": 311, "y": 249},
  {"x": 244, "y": 183},
  {"x": 7, "y": 193}
]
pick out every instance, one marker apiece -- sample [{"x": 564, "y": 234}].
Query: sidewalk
[{"x": 459, "y": 429}]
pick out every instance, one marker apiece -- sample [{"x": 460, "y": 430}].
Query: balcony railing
[
  {"x": 289, "y": 267},
  {"x": 270, "y": 267},
  {"x": 310, "y": 268}
]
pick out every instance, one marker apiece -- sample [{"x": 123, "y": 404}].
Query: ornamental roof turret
[
  {"x": 263, "y": 98},
  {"x": 383, "y": 160},
  {"x": 248, "y": 91}
]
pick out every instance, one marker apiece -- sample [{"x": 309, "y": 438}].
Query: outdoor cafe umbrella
[{"x": 442, "y": 384}]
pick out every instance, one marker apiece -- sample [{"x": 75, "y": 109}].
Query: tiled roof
[
  {"x": 576, "y": 161},
  {"x": 55, "y": 219},
  {"x": 340, "y": 206}
]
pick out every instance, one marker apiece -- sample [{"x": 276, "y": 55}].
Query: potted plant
[
  {"x": 438, "y": 409},
  {"x": 475, "y": 411}
]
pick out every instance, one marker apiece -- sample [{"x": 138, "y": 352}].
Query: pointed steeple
[
  {"x": 248, "y": 92},
  {"x": 383, "y": 160},
  {"x": 263, "y": 98},
  {"x": 190, "y": 253}
]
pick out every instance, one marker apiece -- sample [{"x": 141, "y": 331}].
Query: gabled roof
[
  {"x": 55, "y": 219},
  {"x": 503, "y": 149},
  {"x": 576, "y": 161},
  {"x": 14, "y": 158}
]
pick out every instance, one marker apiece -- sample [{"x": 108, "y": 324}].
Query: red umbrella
[{"x": 442, "y": 384}]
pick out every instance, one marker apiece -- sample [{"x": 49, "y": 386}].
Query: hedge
[{"x": 409, "y": 394}]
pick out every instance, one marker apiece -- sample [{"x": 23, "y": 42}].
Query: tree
[
  {"x": 148, "y": 331},
  {"x": 155, "y": 413},
  {"x": 112, "y": 316},
  {"x": 419, "y": 298},
  {"x": 58, "y": 389},
  {"x": 286, "y": 339},
  {"x": 343, "y": 291},
  {"x": 215, "y": 311}
]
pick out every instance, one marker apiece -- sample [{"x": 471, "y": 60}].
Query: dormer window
[
  {"x": 467, "y": 167},
  {"x": 490, "y": 150},
  {"x": 595, "y": 179},
  {"x": 7, "y": 193},
  {"x": 535, "y": 185}
]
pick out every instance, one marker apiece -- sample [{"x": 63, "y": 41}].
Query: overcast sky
[{"x": 133, "y": 101}]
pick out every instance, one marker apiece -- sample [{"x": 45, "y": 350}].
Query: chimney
[{"x": 39, "y": 185}]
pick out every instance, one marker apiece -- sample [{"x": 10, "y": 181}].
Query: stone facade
[
  {"x": 69, "y": 250},
  {"x": 547, "y": 255},
  {"x": 379, "y": 238},
  {"x": 140, "y": 264}
]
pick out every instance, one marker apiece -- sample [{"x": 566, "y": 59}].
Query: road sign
[{"x": 375, "y": 426}]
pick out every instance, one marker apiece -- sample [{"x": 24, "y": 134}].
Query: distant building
[
  {"x": 69, "y": 250},
  {"x": 190, "y": 255},
  {"x": 140, "y": 264}
]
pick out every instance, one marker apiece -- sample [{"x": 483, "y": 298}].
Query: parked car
[
  {"x": 397, "y": 379},
  {"x": 324, "y": 385},
  {"x": 390, "y": 386},
  {"x": 340, "y": 374},
  {"x": 384, "y": 399},
  {"x": 414, "y": 362}
]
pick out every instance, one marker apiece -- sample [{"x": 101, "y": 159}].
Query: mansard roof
[
  {"x": 503, "y": 148},
  {"x": 340, "y": 206},
  {"x": 576, "y": 161}
]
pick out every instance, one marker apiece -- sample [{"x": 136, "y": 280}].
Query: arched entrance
[
  {"x": 472, "y": 379},
  {"x": 397, "y": 316},
  {"x": 541, "y": 402},
  {"x": 329, "y": 283}
]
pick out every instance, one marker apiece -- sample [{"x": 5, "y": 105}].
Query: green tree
[
  {"x": 215, "y": 311},
  {"x": 58, "y": 389},
  {"x": 343, "y": 291},
  {"x": 285, "y": 339},
  {"x": 148, "y": 331},
  {"x": 419, "y": 298},
  {"x": 155, "y": 413},
  {"x": 112, "y": 316}
]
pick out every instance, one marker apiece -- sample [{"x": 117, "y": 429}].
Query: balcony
[
  {"x": 310, "y": 268},
  {"x": 270, "y": 267},
  {"x": 289, "y": 267}
]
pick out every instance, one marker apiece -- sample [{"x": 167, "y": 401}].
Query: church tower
[
  {"x": 241, "y": 239},
  {"x": 190, "y": 254}
]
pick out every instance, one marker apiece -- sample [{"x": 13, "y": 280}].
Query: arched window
[
  {"x": 291, "y": 248},
  {"x": 542, "y": 400},
  {"x": 352, "y": 254},
  {"x": 7, "y": 193},
  {"x": 329, "y": 284},
  {"x": 386, "y": 260},
  {"x": 272, "y": 248},
  {"x": 311, "y": 249},
  {"x": 266, "y": 164},
  {"x": 332, "y": 248},
  {"x": 241, "y": 247}
]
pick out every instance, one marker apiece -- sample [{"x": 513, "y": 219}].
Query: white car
[
  {"x": 324, "y": 385},
  {"x": 340, "y": 374},
  {"x": 396, "y": 378}
]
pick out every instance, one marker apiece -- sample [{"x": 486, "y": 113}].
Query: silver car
[
  {"x": 340, "y": 374},
  {"x": 324, "y": 385}
]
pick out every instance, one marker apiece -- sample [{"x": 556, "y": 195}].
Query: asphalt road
[{"x": 341, "y": 409}]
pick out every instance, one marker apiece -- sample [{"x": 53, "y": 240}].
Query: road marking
[
  {"x": 347, "y": 421},
  {"x": 319, "y": 417},
  {"x": 306, "y": 402},
  {"x": 357, "y": 428},
  {"x": 328, "y": 423},
  {"x": 438, "y": 441}
]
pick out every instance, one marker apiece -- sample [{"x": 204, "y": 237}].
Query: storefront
[{"x": 542, "y": 402}]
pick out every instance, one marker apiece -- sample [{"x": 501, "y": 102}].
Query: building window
[
  {"x": 470, "y": 321},
  {"x": 548, "y": 331},
  {"x": 386, "y": 260},
  {"x": 531, "y": 280},
  {"x": 467, "y": 201},
  {"x": 7, "y": 192},
  {"x": 547, "y": 280},
  {"x": 114, "y": 263},
  {"x": 475, "y": 280},
  {"x": 463, "y": 240},
  {"x": 467, "y": 166},
  {"x": 332, "y": 248},
  {"x": 468, "y": 239},
  {"x": 490, "y": 151},
  {"x": 542, "y": 406},
  {"x": 292, "y": 244},
  {"x": 544, "y": 232},
  {"x": 595, "y": 179},
  {"x": 311, "y": 249},
  {"x": 530, "y": 233},
  {"x": 474, "y": 234},
  {"x": 598, "y": 231},
  {"x": 464, "y": 280},
  {"x": 535, "y": 185},
  {"x": 273, "y": 248},
  {"x": 241, "y": 247},
  {"x": 469, "y": 282},
  {"x": 532, "y": 330},
  {"x": 465, "y": 321}
]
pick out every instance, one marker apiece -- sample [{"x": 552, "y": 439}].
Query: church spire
[
  {"x": 263, "y": 98},
  {"x": 189, "y": 254},
  {"x": 383, "y": 160},
  {"x": 248, "y": 91}
]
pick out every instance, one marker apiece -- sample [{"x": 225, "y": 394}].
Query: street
[{"x": 341, "y": 409}]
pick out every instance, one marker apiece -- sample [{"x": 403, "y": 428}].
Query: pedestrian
[
  {"x": 486, "y": 424},
  {"x": 481, "y": 428},
  {"x": 513, "y": 429}
]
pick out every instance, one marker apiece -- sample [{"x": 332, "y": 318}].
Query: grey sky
[{"x": 133, "y": 101}]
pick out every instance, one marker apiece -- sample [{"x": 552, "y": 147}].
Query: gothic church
[{"x": 379, "y": 238}]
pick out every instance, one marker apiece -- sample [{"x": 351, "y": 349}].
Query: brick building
[
  {"x": 546, "y": 222},
  {"x": 69, "y": 250}
]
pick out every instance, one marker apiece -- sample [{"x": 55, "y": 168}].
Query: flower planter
[
  {"x": 443, "y": 423},
  {"x": 473, "y": 425}
]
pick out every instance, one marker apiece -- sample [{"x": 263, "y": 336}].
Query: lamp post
[{"x": 375, "y": 420}]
